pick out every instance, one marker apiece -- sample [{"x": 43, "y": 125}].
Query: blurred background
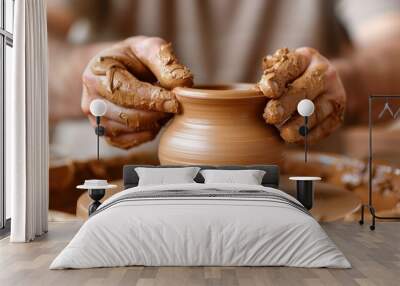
[{"x": 224, "y": 41}]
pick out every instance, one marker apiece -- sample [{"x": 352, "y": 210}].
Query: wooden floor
[{"x": 375, "y": 257}]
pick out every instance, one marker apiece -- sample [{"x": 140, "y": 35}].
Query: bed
[{"x": 201, "y": 224}]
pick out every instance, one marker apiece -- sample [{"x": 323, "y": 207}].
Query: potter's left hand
[
  {"x": 290, "y": 76},
  {"x": 135, "y": 78}
]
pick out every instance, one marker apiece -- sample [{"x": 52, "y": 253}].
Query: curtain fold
[{"x": 27, "y": 124}]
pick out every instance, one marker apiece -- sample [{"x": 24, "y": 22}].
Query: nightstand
[
  {"x": 305, "y": 190},
  {"x": 96, "y": 190}
]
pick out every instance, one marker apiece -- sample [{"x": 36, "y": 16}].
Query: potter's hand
[
  {"x": 134, "y": 77},
  {"x": 290, "y": 76}
]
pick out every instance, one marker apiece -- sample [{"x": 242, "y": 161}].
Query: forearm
[
  {"x": 373, "y": 66},
  {"x": 379, "y": 68},
  {"x": 369, "y": 70}
]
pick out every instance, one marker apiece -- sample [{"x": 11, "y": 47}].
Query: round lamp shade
[
  {"x": 98, "y": 107},
  {"x": 305, "y": 107}
]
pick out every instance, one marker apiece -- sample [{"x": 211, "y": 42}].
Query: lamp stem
[
  {"x": 305, "y": 137},
  {"x": 98, "y": 137}
]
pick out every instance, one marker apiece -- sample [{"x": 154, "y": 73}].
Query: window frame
[{"x": 6, "y": 39}]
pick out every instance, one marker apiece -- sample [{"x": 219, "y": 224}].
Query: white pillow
[
  {"x": 248, "y": 177},
  {"x": 164, "y": 176}
]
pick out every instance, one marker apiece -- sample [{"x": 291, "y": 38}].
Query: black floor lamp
[
  {"x": 305, "y": 184},
  {"x": 97, "y": 188}
]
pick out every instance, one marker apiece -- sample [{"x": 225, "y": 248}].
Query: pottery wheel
[{"x": 331, "y": 202}]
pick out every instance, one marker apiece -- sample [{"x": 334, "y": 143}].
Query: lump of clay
[{"x": 279, "y": 70}]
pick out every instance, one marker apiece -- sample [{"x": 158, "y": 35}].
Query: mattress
[{"x": 201, "y": 225}]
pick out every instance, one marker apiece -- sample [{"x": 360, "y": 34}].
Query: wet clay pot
[{"x": 220, "y": 125}]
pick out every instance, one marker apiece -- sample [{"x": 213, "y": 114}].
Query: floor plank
[{"x": 375, "y": 257}]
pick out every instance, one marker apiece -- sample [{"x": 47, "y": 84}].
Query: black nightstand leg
[
  {"x": 305, "y": 193},
  {"x": 96, "y": 195},
  {"x": 361, "y": 221}
]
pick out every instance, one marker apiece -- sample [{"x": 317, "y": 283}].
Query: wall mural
[{"x": 175, "y": 99}]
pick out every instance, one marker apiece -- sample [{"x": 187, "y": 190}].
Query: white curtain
[{"x": 27, "y": 124}]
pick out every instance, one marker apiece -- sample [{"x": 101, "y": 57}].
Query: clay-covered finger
[
  {"x": 133, "y": 119},
  {"x": 113, "y": 128},
  {"x": 325, "y": 128},
  {"x": 159, "y": 57},
  {"x": 324, "y": 106},
  {"x": 120, "y": 55},
  {"x": 281, "y": 69},
  {"x": 127, "y": 141},
  {"x": 310, "y": 85},
  {"x": 119, "y": 86}
]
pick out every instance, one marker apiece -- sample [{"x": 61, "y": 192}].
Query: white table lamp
[
  {"x": 305, "y": 108},
  {"x": 98, "y": 108}
]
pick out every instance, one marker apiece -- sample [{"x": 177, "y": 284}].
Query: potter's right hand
[
  {"x": 289, "y": 77},
  {"x": 134, "y": 77}
]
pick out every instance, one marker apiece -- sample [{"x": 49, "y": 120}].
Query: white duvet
[{"x": 200, "y": 231}]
